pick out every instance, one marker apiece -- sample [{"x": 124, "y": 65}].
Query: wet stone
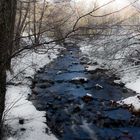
[
  {"x": 84, "y": 60},
  {"x": 125, "y": 90},
  {"x": 21, "y": 121},
  {"x": 59, "y": 72},
  {"x": 121, "y": 84},
  {"x": 22, "y": 129},
  {"x": 43, "y": 85},
  {"x": 138, "y": 97},
  {"x": 76, "y": 109},
  {"x": 70, "y": 100},
  {"x": 47, "y": 81},
  {"x": 75, "y": 63},
  {"x": 79, "y": 80},
  {"x": 57, "y": 97},
  {"x": 95, "y": 63},
  {"x": 125, "y": 132},
  {"x": 87, "y": 98},
  {"x": 35, "y": 92}
]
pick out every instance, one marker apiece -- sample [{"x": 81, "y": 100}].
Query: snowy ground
[
  {"x": 130, "y": 75},
  {"x": 20, "y": 115},
  {"x": 134, "y": 100}
]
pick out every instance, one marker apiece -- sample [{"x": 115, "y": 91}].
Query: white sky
[{"x": 117, "y": 4}]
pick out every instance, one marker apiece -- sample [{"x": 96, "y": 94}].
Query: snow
[
  {"x": 59, "y": 72},
  {"x": 80, "y": 78},
  {"x": 92, "y": 68},
  {"x": 99, "y": 86},
  {"x": 134, "y": 100},
  {"x": 88, "y": 95},
  {"x": 134, "y": 85},
  {"x": 117, "y": 81},
  {"x": 23, "y": 109},
  {"x": 17, "y": 105}
]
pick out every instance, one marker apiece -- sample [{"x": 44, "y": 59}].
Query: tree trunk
[
  {"x": 2, "y": 97},
  {"x": 7, "y": 22}
]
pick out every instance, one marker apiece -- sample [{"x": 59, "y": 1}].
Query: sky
[
  {"x": 117, "y": 4},
  {"x": 88, "y": 5}
]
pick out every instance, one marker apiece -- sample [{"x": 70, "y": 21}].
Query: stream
[{"x": 80, "y": 104}]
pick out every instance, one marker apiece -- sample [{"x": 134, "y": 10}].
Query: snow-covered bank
[
  {"x": 24, "y": 121},
  {"x": 134, "y": 100},
  {"x": 129, "y": 74},
  {"x": 135, "y": 85}
]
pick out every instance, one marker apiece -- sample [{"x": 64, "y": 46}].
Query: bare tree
[
  {"x": 23, "y": 9},
  {"x": 7, "y": 22}
]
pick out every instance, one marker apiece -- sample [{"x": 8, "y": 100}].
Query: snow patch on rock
[{"x": 133, "y": 100}]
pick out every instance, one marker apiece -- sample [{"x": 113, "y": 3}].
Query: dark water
[{"x": 71, "y": 114}]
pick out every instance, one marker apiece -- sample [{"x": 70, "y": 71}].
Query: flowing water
[{"x": 81, "y": 104}]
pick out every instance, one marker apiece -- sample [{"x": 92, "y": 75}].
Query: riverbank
[{"x": 21, "y": 119}]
